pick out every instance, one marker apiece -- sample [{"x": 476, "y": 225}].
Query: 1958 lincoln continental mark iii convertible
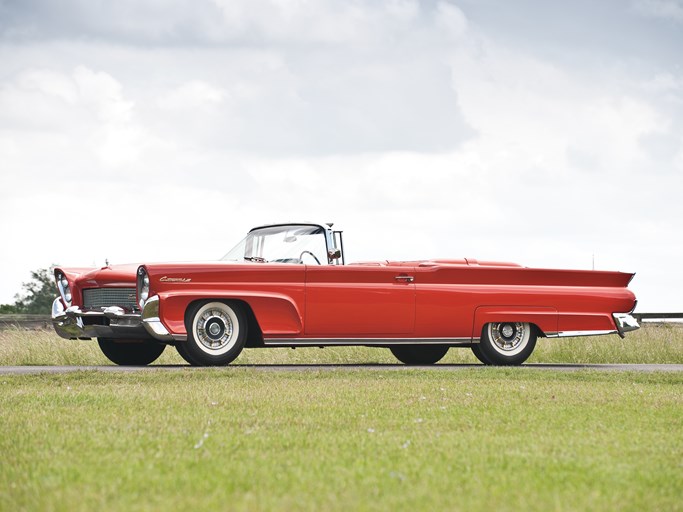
[{"x": 288, "y": 285}]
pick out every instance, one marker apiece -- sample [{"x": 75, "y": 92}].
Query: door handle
[{"x": 407, "y": 279}]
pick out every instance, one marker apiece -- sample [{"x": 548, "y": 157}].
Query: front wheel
[
  {"x": 476, "y": 350},
  {"x": 216, "y": 333},
  {"x": 505, "y": 343},
  {"x": 131, "y": 353},
  {"x": 419, "y": 354}
]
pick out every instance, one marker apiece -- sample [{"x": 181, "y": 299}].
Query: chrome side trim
[
  {"x": 572, "y": 334},
  {"x": 152, "y": 322},
  {"x": 368, "y": 342},
  {"x": 625, "y": 323}
]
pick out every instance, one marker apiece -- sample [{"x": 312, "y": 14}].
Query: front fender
[{"x": 276, "y": 314}]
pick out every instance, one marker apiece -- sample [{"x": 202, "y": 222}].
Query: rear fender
[{"x": 545, "y": 318}]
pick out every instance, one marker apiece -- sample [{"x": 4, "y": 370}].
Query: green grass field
[
  {"x": 651, "y": 344},
  {"x": 250, "y": 438},
  {"x": 246, "y": 439}
]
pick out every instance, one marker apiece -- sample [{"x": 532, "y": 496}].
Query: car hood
[{"x": 112, "y": 275}]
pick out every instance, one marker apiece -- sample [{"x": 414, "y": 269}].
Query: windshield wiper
[{"x": 257, "y": 259}]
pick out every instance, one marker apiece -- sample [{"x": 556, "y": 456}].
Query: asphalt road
[{"x": 23, "y": 370}]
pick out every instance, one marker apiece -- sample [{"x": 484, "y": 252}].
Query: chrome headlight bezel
[
  {"x": 64, "y": 288},
  {"x": 143, "y": 291}
]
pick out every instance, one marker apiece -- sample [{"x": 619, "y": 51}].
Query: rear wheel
[
  {"x": 506, "y": 343},
  {"x": 131, "y": 353},
  {"x": 419, "y": 354},
  {"x": 216, "y": 333}
]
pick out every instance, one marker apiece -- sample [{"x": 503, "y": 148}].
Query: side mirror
[{"x": 334, "y": 255}]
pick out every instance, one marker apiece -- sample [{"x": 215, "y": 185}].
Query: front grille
[{"x": 104, "y": 297}]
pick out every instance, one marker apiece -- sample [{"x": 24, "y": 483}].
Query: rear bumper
[
  {"x": 112, "y": 322},
  {"x": 625, "y": 323}
]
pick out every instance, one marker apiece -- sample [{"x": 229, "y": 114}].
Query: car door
[
  {"x": 359, "y": 300},
  {"x": 446, "y": 299}
]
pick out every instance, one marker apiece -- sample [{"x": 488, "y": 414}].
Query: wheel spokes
[{"x": 214, "y": 329}]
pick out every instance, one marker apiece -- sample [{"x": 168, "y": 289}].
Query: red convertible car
[{"x": 287, "y": 285}]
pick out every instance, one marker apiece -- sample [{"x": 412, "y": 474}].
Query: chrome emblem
[{"x": 175, "y": 279}]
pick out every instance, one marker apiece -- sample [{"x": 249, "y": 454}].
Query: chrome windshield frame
[{"x": 329, "y": 235}]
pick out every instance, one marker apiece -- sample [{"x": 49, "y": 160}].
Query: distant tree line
[{"x": 36, "y": 296}]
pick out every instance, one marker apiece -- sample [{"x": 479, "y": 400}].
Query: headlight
[
  {"x": 64, "y": 289},
  {"x": 143, "y": 287}
]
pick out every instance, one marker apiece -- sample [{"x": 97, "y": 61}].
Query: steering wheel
[{"x": 309, "y": 252}]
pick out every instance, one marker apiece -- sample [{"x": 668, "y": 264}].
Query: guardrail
[
  {"x": 658, "y": 317},
  {"x": 31, "y": 322},
  {"x": 45, "y": 322}
]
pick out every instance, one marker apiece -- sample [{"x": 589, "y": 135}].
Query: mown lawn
[{"x": 241, "y": 438}]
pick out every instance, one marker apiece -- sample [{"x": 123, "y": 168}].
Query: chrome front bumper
[
  {"x": 111, "y": 322},
  {"x": 152, "y": 322}
]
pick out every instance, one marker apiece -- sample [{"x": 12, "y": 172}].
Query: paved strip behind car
[{"x": 23, "y": 370}]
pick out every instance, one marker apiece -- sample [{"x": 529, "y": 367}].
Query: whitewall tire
[
  {"x": 506, "y": 343},
  {"x": 216, "y": 333}
]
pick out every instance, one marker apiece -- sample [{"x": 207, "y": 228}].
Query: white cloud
[
  {"x": 210, "y": 22},
  {"x": 407, "y": 124},
  {"x": 665, "y": 9},
  {"x": 102, "y": 94},
  {"x": 450, "y": 18},
  {"x": 530, "y": 115},
  {"x": 191, "y": 95},
  {"x": 72, "y": 117}
]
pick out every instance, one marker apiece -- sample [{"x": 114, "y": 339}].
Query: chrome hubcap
[
  {"x": 214, "y": 329},
  {"x": 507, "y": 336}
]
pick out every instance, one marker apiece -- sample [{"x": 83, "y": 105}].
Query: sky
[{"x": 547, "y": 133}]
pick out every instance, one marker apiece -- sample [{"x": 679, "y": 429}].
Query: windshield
[{"x": 282, "y": 244}]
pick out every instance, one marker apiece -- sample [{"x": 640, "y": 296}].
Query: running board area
[{"x": 366, "y": 342}]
